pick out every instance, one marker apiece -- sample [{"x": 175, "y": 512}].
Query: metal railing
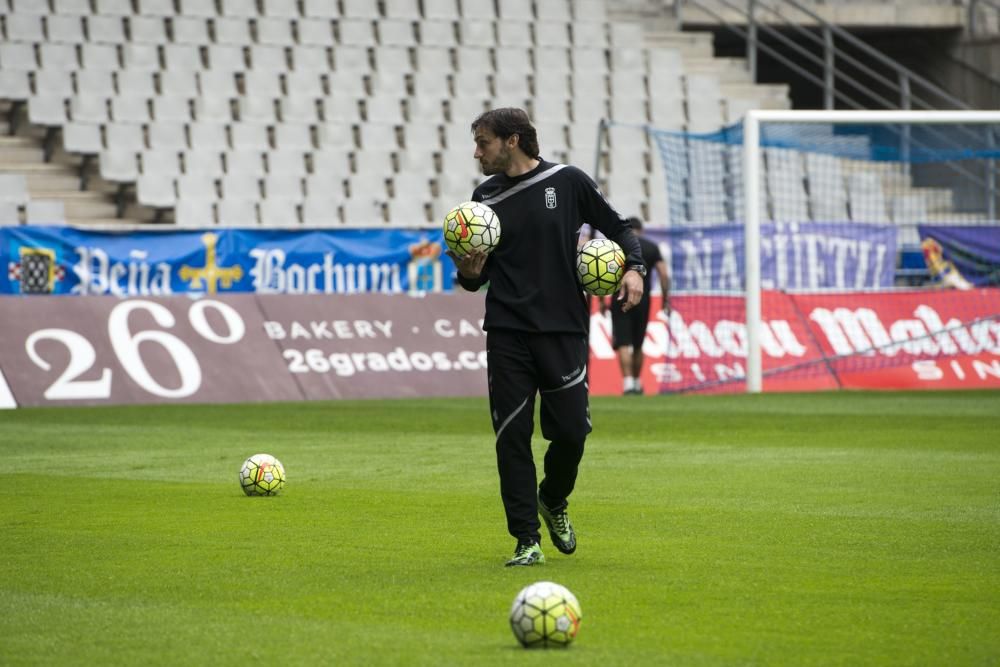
[
  {"x": 870, "y": 80},
  {"x": 908, "y": 89},
  {"x": 976, "y": 10}
]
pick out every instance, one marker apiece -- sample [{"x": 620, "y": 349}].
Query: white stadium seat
[
  {"x": 166, "y": 163},
  {"x": 47, "y": 110},
  {"x": 315, "y": 32},
  {"x": 64, "y": 29},
  {"x": 190, "y": 30},
  {"x": 242, "y": 8},
  {"x": 127, "y": 109},
  {"x": 147, "y": 29},
  {"x": 249, "y": 135},
  {"x": 232, "y": 30},
  {"x": 53, "y": 82},
  {"x": 194, "y": 213},
  {"x": 208, "y": 136},
  {"x": 9, "y": 214},
  {"x": 69, "y": 7},
  {"x": 236, "y": 213},
  {"x": 88, "y": 109},
  {"x": 321, "y": 210},
  {"x": 296, "y": 109},
  {"x": 279, "y": 212},
  {"x": 336, "y": 135},
  {"x": 320, "y": 9},
  {"x": 156, "y": 7},
  {"x": 293, "y": 136},
  {"x": 440, "y": 9},
  {"x": 15, "y": 85},
  {"x": 434, "y": 32},
  {"x": 356, "y": 32},
  {"x": 167, "y": 135},
  {"x": 194, "y": 187},
  {"x": 205, "y": 163},
  {"x": 14, "y": 189},
  {"x": 58, "y": 56},
  {"x": 24, "y": 28},
  {"x": 286, "y": 9},
  {"x": 402, "y": 9},
  {"x": 105, "y": 29},
  {"x": 45, "y": 212},
  {"x": 283, "y": 185},
  {"x": 305, "y": 84},
  {"x": 287, "y": 161},
  {"x": 84, "y": 138},
  {"x": 155, "y": 191},
  {"x": 124, "y": 136},
  {"x": 275, "y": 32},
  {"x": 178, "y": 84},
  {"x": 15, "y": 56}
]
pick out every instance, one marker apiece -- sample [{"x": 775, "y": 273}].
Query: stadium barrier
[
  {"x": 245, "y": 348},
  {"x": 239, "y": 348},
  {"x": 816, "y": 341}
]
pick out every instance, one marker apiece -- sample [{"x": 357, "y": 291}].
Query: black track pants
[{"x": 554, "y": 366}]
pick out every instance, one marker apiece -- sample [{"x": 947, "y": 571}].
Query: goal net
[{"x": 826, "y": 249}]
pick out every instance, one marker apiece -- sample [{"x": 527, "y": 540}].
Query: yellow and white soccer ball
[
  {"x": 471, "y": 226},
  {"x": 600, "y": 263},
  {"x": 545, "y": 614},
  {"x": 262, "y": 475}
]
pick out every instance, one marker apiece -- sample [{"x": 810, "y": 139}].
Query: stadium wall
[{"x": 245, "y": 348}]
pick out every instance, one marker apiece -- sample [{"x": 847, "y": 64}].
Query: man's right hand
[{"x": 469, "y": 266}]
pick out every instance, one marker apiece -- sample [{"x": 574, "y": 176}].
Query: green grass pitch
[{"x": 812, "y": 529}]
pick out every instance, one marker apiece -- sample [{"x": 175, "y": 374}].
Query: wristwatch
[{"x": 639, "y": 268}]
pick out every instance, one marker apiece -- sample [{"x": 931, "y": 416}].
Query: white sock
[{"x": 629, "y": 383}]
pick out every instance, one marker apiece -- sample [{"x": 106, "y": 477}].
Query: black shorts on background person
[{"x": 629, "y": 328}]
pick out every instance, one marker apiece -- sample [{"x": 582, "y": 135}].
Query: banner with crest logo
[
  {"x": 65, "y": 260},
  {"x": 962, "y": 256}
]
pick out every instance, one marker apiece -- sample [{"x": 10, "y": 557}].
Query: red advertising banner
[
  {"x": 872, "y": 340},
  {"x": 944, "y": 339}
]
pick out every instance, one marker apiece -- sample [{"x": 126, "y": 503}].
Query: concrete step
[
  {"x": 104, "y": 224},
  {"x": 727, "y": 70},
  {"x": 690, "y": 44},
  {"x": 851, "y": 14},
  {"x": 762, "y": 91},
  {"x": 19, "y": 149},
  {"x": 44, "y": 177},
  {"x": 85, "y": 205}
]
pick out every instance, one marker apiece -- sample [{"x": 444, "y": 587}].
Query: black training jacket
[{"x": 533, "y": 284}]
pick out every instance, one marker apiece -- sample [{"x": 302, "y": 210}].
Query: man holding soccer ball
[{"x": 537, "y": 319}]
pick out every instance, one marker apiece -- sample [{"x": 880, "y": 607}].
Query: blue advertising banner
[
  {"x": 962, "y": 256},
  {"x": 794, "y": 256},
  {"x": 64, "y": 260}
]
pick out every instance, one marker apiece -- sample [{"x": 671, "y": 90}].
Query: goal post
[{"x": 916, "y": 137}]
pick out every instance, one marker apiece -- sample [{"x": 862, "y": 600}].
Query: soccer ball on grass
[
  {"x": 471, "y": 226},
  {"x": 262, "y": 475},
  {"x": 545, "y": 614},
  {"x": 600, "y": 263}
]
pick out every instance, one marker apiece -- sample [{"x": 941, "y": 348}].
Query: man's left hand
[{"x": 631, "y": 290}]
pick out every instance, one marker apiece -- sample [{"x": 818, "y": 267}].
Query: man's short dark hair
[
  {"x": 507, "y": 122},
  {"x": 635, "y": 223}
]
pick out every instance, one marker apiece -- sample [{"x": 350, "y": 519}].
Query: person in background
[{"x": 628, "y": 327}]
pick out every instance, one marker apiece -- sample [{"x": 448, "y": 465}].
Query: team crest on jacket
[{"x": 550, "y": 197}]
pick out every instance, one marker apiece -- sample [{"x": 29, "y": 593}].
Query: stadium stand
[{"x": 319, "y": 113}]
